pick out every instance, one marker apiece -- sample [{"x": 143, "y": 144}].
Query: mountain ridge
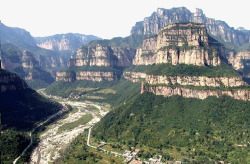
[{"x": 163, "y": 17}]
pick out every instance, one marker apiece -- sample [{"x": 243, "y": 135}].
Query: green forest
[{"x": 181, "y": 129}]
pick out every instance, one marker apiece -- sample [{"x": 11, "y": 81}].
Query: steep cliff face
[
  {"x": 196, "y": 81},
  {"x": 179, "y": 44},
  {"x": 28, "y": 60},
  {"x": 163, "y": 17},
  {"x": 53, "y": 61},
  {"x": 103, "y": 56},
  {"x": 63, "y": 42},
  {"x": 10, "y": 82},
  {"x": 239, "y": 59},
  {"x": 240, "y": 94},
  {"x": 86, "y": 75}
]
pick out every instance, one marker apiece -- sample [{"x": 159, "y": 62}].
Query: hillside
[
  {"x": 180, "y": 129},
  {"x": 21, "y": 109}
]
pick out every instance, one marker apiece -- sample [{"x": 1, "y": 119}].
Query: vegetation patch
[
  {"x": 81, "y": 121},
  {"x": 106, "y": 91},
  {"x": 112, "y": 92},
  {"x": 79, "y": 152},
  {"x": 223, "y": 70}
]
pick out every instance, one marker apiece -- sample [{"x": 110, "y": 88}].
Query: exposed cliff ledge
[
  {"x": 240, "y": 94},
  {"x": 134, "y": 76},
  {"x": 10, "y": 82},
  {"x": 103, "y": 56},
  {"x": 195, "y": 81},
  {"x": 186, "y": 43},
  {"x": 85, "y": 75}
]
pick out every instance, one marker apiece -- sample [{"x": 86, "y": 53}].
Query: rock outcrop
[
  {"x": 239, "y": 94},
  {"x": 163, "y": 17},
  {"x": 186, "y": 43},
  {"x": 86, "y": 75},
  {"x": 103, "y": 56}
]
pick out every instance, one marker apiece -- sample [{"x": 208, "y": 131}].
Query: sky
[{"x": 108, "y": 18}]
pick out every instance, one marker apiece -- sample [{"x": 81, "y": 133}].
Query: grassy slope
[
  {"x": 186, "y": 70},
  {"x": 181, "y": 128},
  {"x": 115, "y": 92}
]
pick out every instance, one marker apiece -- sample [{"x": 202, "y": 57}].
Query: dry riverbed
[{"x": 53, "y": 142}]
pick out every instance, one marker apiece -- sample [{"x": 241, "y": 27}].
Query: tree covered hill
[{"x": 180, "y": 128}]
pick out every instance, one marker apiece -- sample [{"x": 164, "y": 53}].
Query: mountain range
[{"x": 178, "y": 85}]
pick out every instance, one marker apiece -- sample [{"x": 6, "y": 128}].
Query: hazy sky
[{"x": 108, "y": 18}]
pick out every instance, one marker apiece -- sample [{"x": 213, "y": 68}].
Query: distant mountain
[
  {"x": 25, "y": 64},
  {"x": 51, "y": 52},
  {"x": 64, "y": 42},
  {"x": 163, "y": 17},
  {"x": 16, "y": 36},
  {"x": 24, "y": 41}
]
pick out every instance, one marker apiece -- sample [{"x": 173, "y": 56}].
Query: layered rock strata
[
  {"x": 103, "y": 56},
  {"x": 86, "y": 75},
  {"x": 179, "y": 44},
  {"x": 195, "y": 81},
  {"x": 240, "y": 94}
]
